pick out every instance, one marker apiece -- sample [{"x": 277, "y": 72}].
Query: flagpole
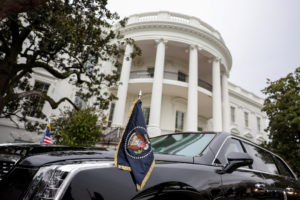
[{"x": 136, "y": 157}]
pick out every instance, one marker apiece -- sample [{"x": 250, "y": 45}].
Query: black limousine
[{"x": 188, "y": 166}]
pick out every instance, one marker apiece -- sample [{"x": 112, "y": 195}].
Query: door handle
[{"x": 260, "y": 186}]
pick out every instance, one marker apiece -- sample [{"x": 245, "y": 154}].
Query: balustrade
[{"x": 170, "y": 76}]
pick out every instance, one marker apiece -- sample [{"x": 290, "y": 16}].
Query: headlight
[
  {"x": 50, "y": 181},
  {"x": 46, "y": 183}
]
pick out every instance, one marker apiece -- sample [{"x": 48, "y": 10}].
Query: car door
[
  {"x": 282, "y": 181},
  {"x": 242, "y": 184},
  {"x": 287, "y": 180},
  {"x": 263, "y": 162}
]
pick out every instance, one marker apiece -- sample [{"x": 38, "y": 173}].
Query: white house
[{"x": 183, "y": 73}]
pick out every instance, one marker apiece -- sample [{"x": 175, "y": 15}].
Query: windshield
[{"x": 186, "y": 144}]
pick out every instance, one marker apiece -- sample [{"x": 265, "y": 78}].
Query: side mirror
[{"x": 236, "y": 160}]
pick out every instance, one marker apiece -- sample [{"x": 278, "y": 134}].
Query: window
[
  {"x": 181, "y": 144},
  {"x": 262, "y": 160},
  {"x": 89, "y": 68},
  {"x": 79, "y": 102},
  {"x": 231, "y": 145},
  {"x": 119, "y": 69},
  {"x": 232, "y": 114},
  {"x": 111, "y": 113},
  {"x": 200, "y": 129},
  {"x": 146, "y": 112},
  {"x": 258, "y": 124},
  {"x": 181, "y": 77},
  {"x": 179, "y": 121},
  {"x": 283, "y": 169},
  {"x": 37, "y": 103},
  {"x": 246, "y": 116},
  {"x": 150, "y": 72}
]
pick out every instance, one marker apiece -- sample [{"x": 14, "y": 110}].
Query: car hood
[
  {"x": 71, "y": 156},
  {"x": 35, "y": 155}
]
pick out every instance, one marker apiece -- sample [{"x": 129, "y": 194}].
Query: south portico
[
  {"x": 183, "y": 72},
  {"x": 158, "y": 81}
]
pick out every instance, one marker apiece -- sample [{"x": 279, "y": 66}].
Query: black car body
[{"x": 188, "y": 166}]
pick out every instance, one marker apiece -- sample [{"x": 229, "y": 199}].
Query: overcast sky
[{"x": 263, "y": 36}]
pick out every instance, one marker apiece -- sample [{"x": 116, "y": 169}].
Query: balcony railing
[
  {"x": 164, "y": 16},
  {"x": 205, "y": 85},
  {"x": 169, "y": 75},
  {"x": 141, "y": 74}
]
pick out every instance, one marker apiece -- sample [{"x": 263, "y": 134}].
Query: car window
[
  {"x": 262, "y": 160},
  {"x": 231, "y": 145},
  {"x": 283, "y": 169},
  {"x": 181, "y": 144}
]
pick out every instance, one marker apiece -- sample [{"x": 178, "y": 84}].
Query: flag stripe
[{"x": 47, "y": 137}]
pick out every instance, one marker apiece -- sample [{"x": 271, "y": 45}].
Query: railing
[
  {"x": 170, "y": 76},
  {"x": 205, "y": 85},
  {"x": 173, "y": 17},
  {"x": 173, "y": 76},
  {"x": 141, "y": 74},
  {"x": 111, "y": 136}
]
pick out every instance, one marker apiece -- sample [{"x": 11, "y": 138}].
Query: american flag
[{"x": 47, "y": 137}]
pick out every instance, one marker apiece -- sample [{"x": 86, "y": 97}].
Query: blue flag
[{"x": 134, "y": 152}]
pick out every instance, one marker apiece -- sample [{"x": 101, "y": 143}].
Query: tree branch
[
  {"x": 44, "y": 96},
  {"x": 14, "y": 28},
  {"x": 54, "y": 72},
  {"x": 11, "y": 119},
  {"x": 20, "y": 75},
  {"x": 4, "y": 44},
  {"x": 60, "y": 75},
  {"x": 9, "y": 7}
]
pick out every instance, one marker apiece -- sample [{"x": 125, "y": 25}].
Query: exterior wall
[
  {"x": 170, "y": 105},
  {"x": 240, "y": 99},
  {"x": 178, "y": 34},
  {"x": 244, "y": 101}
]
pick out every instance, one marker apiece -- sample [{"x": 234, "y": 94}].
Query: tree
[
  {"x": 66, "y": 38},
  {"x": 8, "y": 7},
  {"x": 77, "y": 128},
  {"x": 282, "y": 106}
]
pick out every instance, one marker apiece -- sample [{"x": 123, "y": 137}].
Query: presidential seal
[{"x": 137, "y": 144}]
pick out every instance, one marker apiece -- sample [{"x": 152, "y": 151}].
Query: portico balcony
[{"x": 170, "y": 76}]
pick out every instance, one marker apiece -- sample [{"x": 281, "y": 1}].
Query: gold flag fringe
[
  {"x": 140, "y": 187},
  {"x": 118, "y": 147}
]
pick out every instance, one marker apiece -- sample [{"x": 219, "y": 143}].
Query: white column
[
  {"x": 225, "y": 105},
  {"x": 118, "y": 117},
  {"x": 217, "y": 104},
  {"x": 192, "y": 105},
  {"x": 155, "y": 108}
]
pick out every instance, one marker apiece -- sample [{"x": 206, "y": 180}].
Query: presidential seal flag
[{"x": 134, "y": 152}]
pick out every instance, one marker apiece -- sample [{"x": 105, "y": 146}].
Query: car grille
[{"x": 5, "y": 167}]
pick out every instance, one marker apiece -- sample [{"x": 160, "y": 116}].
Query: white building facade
[{"x": 183, "y": 73}]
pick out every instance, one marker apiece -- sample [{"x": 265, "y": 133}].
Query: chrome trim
[
  {"x": 291, "y": 171},
  {"x": 258, "y": 171},
  {"x": 219, "y": 150},
  {"x": 251, "y": 143}
]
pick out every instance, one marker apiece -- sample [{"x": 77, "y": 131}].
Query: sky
[{"x": 263, "y": 36}]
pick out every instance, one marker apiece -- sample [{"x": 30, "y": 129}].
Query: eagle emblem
[{"x": 138, "y": 143}]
